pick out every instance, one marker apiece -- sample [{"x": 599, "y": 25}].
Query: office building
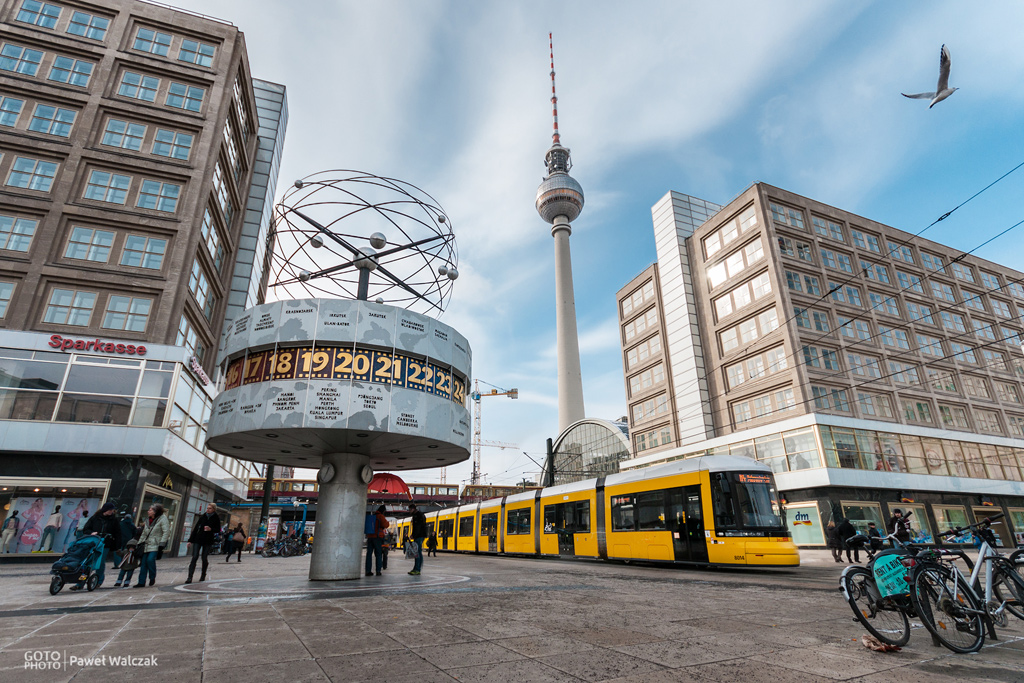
[
  {"x": 135, "y": 173},
  {"x": 871, "y": 369}
]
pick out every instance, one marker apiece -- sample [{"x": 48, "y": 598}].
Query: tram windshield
[{"x": 746, "y": 502}]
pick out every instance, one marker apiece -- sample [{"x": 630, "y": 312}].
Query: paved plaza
[{"x": 469, "y": 619}]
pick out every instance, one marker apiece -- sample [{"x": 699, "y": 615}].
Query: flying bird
[{"x": 942, "y": 90}]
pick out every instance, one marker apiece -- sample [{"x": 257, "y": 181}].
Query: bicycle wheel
[
  {"x": 1008, "y": 586},
  {"x": 882, "y": 618},
  {"x": 948, "y": 609}
]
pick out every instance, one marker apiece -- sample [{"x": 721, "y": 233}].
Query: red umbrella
[{"x": 385, "y": 482}]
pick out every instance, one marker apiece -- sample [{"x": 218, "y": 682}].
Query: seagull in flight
[{"x": 942, "y": 90}]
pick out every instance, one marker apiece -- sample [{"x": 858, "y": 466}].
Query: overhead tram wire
[
  {"x": 857, "y": 275},
  {"x": 860, "y": 316}
]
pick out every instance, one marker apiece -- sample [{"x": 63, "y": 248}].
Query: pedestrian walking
[
  {"x": 10, "y": 530},
  {"x": 375, "y": 529},
  {"x": 53, "y": 525},
  {"x": 156, "y": 532},
  {"x": 846, "y": 530},
  {"x": 832, "y": 539},
  {"x": 130, "y": 561},
  {"x": 200, "y": 541},
  {"x": 105, "y": 524},
  {"x": 432, "y": 544},
  {"x": 419, "y": 534},
  {"x": 129, "y": 535},
  {"x": 237, "y": 543}
]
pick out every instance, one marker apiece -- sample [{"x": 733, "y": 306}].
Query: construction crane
[{"x": 477, "y": 441}]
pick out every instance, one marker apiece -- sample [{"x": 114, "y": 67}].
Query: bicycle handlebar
[{"x": 977, "y": 525}]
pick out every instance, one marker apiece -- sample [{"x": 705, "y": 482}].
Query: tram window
[
  {"x": 445, "y": 528},
  {"x": 489, "y": 524},
  {"x": 430, "y": 528},
  {"x": 518, "y": 522},
  {"x": 549, "y": 519},
  {"x": 723, "y": 503},
  {"x": 651, "y": 507},
  {"x": 623, "y": 518},
  {"x": 466, "y": 526},
  {"x": 570, "y": 517},
  {"x": 581, "y": 523}
]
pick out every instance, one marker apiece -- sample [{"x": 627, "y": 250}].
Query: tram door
[{"x": 685, "y": 519}]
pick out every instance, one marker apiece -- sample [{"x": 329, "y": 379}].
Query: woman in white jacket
[{"x": 156, "y": 531}]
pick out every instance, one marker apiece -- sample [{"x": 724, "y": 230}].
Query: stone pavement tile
[
  {"x": 302, "y": 671},
  {"x": 287, "y": 649},
  {"x": 81, "y": 623},
  {"x": 828, "y": 664},
  {"x": 77, "y": 642},
  {"x": 519, "y": 671},
  {"x": 227, "y": 628},
  {"x": 608, "y": 636},
  {"x": 400, "y": 667},
  {"x": 466, "y": 654},
  {"x": 676, "y": 654},
  {"x": 332, "y": 644},
  {"x": 1002, "y": 655},
  {"x": 959, "y": 668},
  {"x": 22, "y": 675},
  {"x": 599, "y": 664},
  {"x": 543, "y": 644},
  {"x": 497, "y": 628},
  {"x": 447, "y": 635},
  {"x": 748, "y": 671},
  {"x": 173, "y": 645},
  {"x": 239, "y": 613}
]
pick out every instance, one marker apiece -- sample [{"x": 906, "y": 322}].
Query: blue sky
[{"x": 699, "y": 97}]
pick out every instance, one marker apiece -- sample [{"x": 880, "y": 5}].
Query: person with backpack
[
  {"x": 375, "y": 529},
  {"x": 419, "y": 533},
  {"x": 10, "y": 530}
]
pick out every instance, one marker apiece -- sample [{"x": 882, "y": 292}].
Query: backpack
[{"x": 370, "y": 525}]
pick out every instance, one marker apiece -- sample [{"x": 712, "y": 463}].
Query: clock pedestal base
[{"x": 338, "y": 543}]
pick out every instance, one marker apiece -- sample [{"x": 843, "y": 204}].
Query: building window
[
  {"x": 743, "y": 295},
  {"x": 876, "y": 272},
  {"x": 188, "y": 338},
  {"x": 646, "y": 379},
  {"x": 900, "y": 251},
  {"x": 634, "y": 300},
  {"x": 917, "y": 411},
  {"x": 866, "y": 241},
  {"x": 1001, "y": 308},
  {"x": 884, "y": 304},
  {"x": 821, "y": 323},
  {"x": 801, "y": 250},
  {"x": 32, "y": 174},
  {"x": 954, "y": 417},
  {"x": 41, "y": 14},
  {"x": 827, "y": 228},
  {"x": 138, "y": 87},
  {"x": 990, "y": 280},
  {"x": 71, "y": 71},
  {"x": 749, "y": 330},
  {"x": 220, "y": 188},
  {"x": 6, "y": 294},
  {"x": 929, "y": 346},
  {"x": 642, "y": 322},
  {"x": 902, "y": 373},
  {"x": 836, "y": 260},
  {"x": 962, "y": 272},
  {"x": 187, "y": 97},
  {"x": 864, "y": 366},
  {"x": 16, "y": 233},
  {"x": 756, "y": 367},
  {"x": 983, "y": 330},
  {"x": 199, "y": 285},
  {"x": 153, "y": 42},
  {"x": 816, "y": 357},
  {"x": 976, "y": 387},
  {"x": 895, "y": 338},
  {"x": 10, "y": 110},
  {"x": 124, "y": 135},
  {"x": 941, "y": 380},
  {"x": 88, "y": 26},
  {"x": 942, "y": 291},
  {"x": 735, "y": 263},
  {"x": 143, "y": 252},
  {"x": 108, "y": 187},
  {"x": 20, "y": 60},
  {"x": 211, "y": 238},
  {"x": 127, "y": 313},
  {"x": 829, "y": 398},
  {"x": 197, "y": 53},
  {"x": 908, "y": 281},
  {"x": 760, "y": 406},
  {"x": 88, "y": 244},
  {"x": 973, "y": 301},
  {"x": 787, "y": 215},
  {"x": 1007, "y": 392},
  {"x": 932, "y": 262},
  {"x": 52, "y": 120},
  {"x": 168, "y": 143},
  {"x": 994, "y": 360},
  {"x": 953, "y": 321},
  {"x": 650, "y": 408},
  {"x": 987, "y": 421},
  {"x": 962, "y": 353},
  {"x": 854, "y": 329},
  {"x": 920, "y": 312},
  {"x": 69, "y": 307},
  {"x": 235, "y": 161},
  {"x": 642, "y": 351},
  {"x": 841, "y": 294},
  {"x": 874, "y": 405},
  {"x": 1011, "y": 337},
  {"x": 1016, "y": 423},
  {"x": 158, "y": 196}
]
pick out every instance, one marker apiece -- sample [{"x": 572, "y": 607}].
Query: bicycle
[
  {"x": 957, "y": 610},
  {"x": 879, "y": 594}
]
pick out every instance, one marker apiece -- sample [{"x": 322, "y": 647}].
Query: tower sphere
[{"x": 559, "y": 195}]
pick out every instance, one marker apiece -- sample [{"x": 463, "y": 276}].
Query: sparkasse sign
[{"x": 99, "y": 345}]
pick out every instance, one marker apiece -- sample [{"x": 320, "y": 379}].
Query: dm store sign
[{"x": 804, "y": 524}]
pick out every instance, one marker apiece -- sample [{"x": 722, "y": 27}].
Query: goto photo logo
[{"x": 45, "y": 660}]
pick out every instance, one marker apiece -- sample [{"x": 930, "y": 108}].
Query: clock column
[{"x": 340, "y": 511}]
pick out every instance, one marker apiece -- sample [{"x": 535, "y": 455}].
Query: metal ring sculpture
[{"x": 356, "y": 235}]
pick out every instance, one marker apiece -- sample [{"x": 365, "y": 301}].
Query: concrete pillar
[
  {"x": 340, "y": 512},
  {"x": 570, "y": 378}
]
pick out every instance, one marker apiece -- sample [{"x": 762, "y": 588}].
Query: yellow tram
[{"x": 712, "y": 510}]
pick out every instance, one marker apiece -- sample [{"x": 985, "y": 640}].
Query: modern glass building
[{"x": 872, "y": 369}]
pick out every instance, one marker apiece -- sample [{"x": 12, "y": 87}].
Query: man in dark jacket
[
  {"x": 200, "y": 541},
  {"x": 899, "y": 525},
  {"x": 105, "y": 524},
  {"x": 846, "y": 530},
  {"x": 375, "y": 540},
  {"x": 419, "y": 534}
]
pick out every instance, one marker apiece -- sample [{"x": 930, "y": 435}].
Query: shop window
[
  {"x": 860, "y": 513},
  {"x": 949, "y": 517},
  {"x": 920, "y": 525},
  {"x": 1017, "y": 520}
]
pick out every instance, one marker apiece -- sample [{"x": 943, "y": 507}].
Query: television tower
[{"x": 559, "y": 202}]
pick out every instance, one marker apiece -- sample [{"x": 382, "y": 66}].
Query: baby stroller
[{"x": 79, "y": 563}]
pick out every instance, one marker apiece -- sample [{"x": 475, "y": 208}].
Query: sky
[{"x": 703, "y": 98}]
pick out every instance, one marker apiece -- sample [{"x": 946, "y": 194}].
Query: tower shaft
[{"x": 570, "y": 377}]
